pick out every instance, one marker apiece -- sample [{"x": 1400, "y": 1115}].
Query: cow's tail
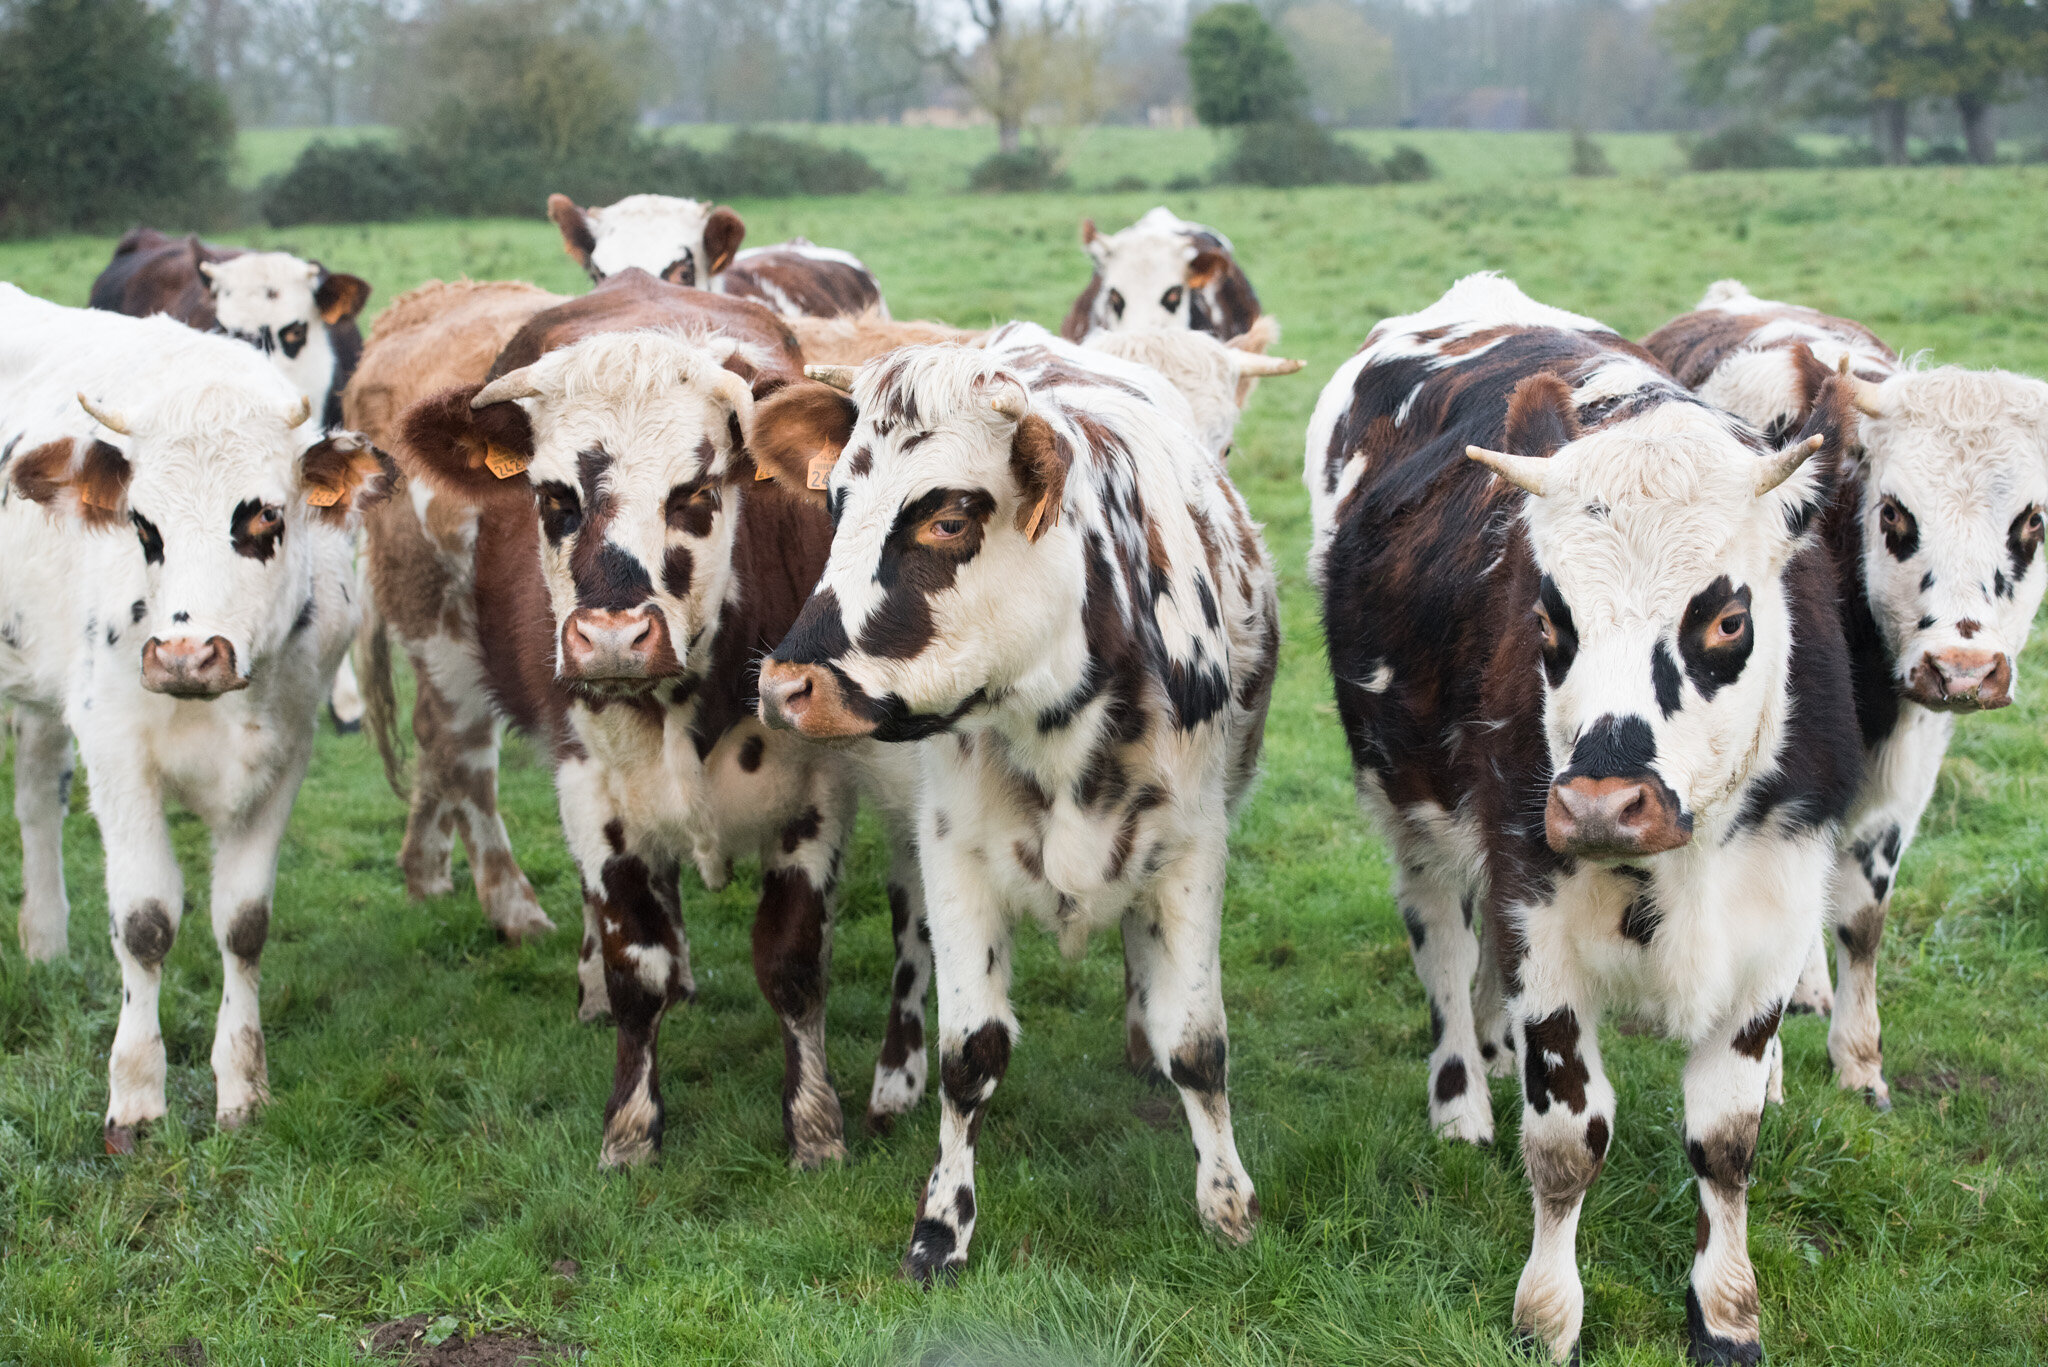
[{"x": 380, "y": 696}]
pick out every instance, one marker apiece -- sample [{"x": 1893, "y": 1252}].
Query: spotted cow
[
  {"x": 1935, "y": 530},
  {"x": 1162, "y": 272},
  {"x": 1043, "y": 574},
  {"x": 630, "y": 575},
  {"x": 1595, "y": 691},
  {"x": 688, "y": 242},
  {"x": 175, "y": 589},
  {"x": 298, "y": 313}
]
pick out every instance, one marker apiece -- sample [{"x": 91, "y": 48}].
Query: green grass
[{"x": 433, "y": 1141}]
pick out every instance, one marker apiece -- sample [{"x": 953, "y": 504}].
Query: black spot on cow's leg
[
  {"x": 1754, "y": 1038},
  {"x": 931, "y": 1253},
  {"x": 643, "y": 977},
  {"x": 1436, "y": 1025},
  {"x": 1704, "y": 1346},
  {"x": 147, "y": 933},
  {"x": 968, "y": 1076},
  {"x": 1417, "y": 932},
  {"x": 1202, "y": 1065},
  {"x": 1597, "y": 1137},
  {"x": 248, "y": 931},
  {"x": 1450, "y": 1080},
  {"x": 1555, "y": 1036},
  {"x": 790, "y": 967}
]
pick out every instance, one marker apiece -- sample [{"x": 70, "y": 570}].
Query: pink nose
[
  {"x": 1962, "y": 680},
  {"x": 602, "y": 644},
  {"x": 185, "y": 668}
]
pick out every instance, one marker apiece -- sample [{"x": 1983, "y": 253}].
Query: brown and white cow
[
  {"x": 1042, "y": 573},
  {"x": 298, "y": 313},
  {"x": 1162, "y": 272},
  {"x": 1935, "y": 530},
  {"x": 1587, "y": 660},
  {"x": 630, "y": 576},
  {"x": 420, "y": 560},
  {"x": 175, "y": 590},
  {"x": 689, "y": 242}
]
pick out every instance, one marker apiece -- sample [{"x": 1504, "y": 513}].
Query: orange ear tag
[
  {"x": 504, "y": 464},
  {"x": 322, "y": 497},
  {"x": 821, "y": 468},
  {"x": 85, "y": 496}
]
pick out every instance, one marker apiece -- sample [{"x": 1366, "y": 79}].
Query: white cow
[{"x": 175, "y": 587}]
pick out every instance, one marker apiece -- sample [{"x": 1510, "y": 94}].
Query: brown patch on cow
[
  {"x": 248, "y": 931},
  {"x": 1040, "y": 458},
  {"x": 1451, "y": 1080},
  {"x": 1725, "y": 1157},
  {"x": 147, "y": 932},
  {"x": 966, "y": 1074},
  {"x": 1542, "y": 416},
  {"x": 1862, "y": 932},
  {"x": 1702, "y": 1230},
  {"x": 1754, "y": 1038},
  {"x": 1968, "y": 627},
  {"x": 724, "y": 230},
  {"x": 1557, "y": 1034},
  {"x": 750, "y": 753},
  {"x": 1560, "y": 1169},
  {"x": 406, "y": 1341},
  {"x": 339, "y": 473},
  {"x": 789, "y": 943},
  {"x": 797, "y": 435},
  {"x": 91, "y": 484},
  {"x": 804, "y": 827},
  {"x": 808, "y": 285},
  {"x": 1030, "y": 858}
]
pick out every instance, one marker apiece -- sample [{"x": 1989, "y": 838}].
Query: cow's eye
[
  {"x": 1116, "y": 303},
  {"x": 1729, "y": 626},
  {"x": 1170, "y": 301},
  {"x": 1900, "y": 529},
  {"x": 264, "y": 521},
  {"x": 151, "y": 539},
  {"x": 1890, "y": 516},
  {"x": 1547, "y": 627},
  {"x": 946, "y": 528},
  {"x": 691, "y": 510},
  {"x": 561, "y": 512}
]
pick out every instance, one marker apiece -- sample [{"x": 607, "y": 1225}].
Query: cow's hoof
[
  {"x": 811, "y": 1157},
  {"x": 120, "y": 1139},
  {"x": 429, "y": 886},
  {"x": 1879, "y": 1096},
  {"x": 1536, "y": 1350},
  {"x": 934, "y": 1258},
  {"x": 1233, "y": 1213},
  {"x": 630, "y": 1145},
  {"x": 343, "y": 728},
  {"x": 879, "y": 1124},
  {"x": 519, "y": 931}
]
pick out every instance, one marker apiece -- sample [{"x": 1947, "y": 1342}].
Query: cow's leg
[
  {"x": 1567, "y": 1122},
  {"x": 146, "y": 898},
  {"x": 244, "y": 879},
  {"x": 1725, "y": 1081},
  {"x": 1815, "y": 994},
  {"x": 793, "y": 964},
  {"x": 1180, "y": 954},
  {"x": 900, "y": 1072},
  {"x": 42, "y": 794},
  {"x": 455, "y": 791},
  {"x": 1446, "y": 955},
  {"x": 1138, "y": 961},
  {"x": 1861, "y": 895},
  {"x": 971, "y": 965},
  {"x": 647, "y": 970},
  {"x": 345, "y": 698},
  {"x": 593, "y": 1001},
  {"x": 1490, "y": 1011}
]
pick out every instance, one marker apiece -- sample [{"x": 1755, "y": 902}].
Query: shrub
[
  {"x": 362, "y": 182},
  {"x": 99, "y": 125},
  {"x": 1856, "y": 154},
  {"x": 1747, "y": 147},
  {"x": 1407, "y": 163},
  {"x": 1027, "y": 168},
  {"x": 1186, "y": 181},
  {"x": 1294, "y": 152},
  {"x": 1943, "y": 154},
  {"x": 1128, "y": 183},
  {"x": 1589, "y": 158},
  {"x": 769, "y": 165},
  {"x": 1241, "y": 71}
]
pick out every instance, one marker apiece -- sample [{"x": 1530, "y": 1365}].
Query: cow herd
[{"x": 1646, "y": 654}]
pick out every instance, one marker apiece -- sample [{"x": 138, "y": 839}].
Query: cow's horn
[
  {"x": 1258, "y": 363},
  {"x": 300, "y": 411},
  {"x": 1524, "y": 472},
  {"x": 105, "y": 417},
  {"x": 513, "y": 384},
  {"x": 1778, "y": 466},
  {"x": 1012, "y": 403},
  {"x": 838, "y": 376},
  {"x": 1862, "y": 392},
  {"x": 737, "y": 395}
]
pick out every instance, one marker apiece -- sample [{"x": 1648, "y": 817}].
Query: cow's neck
[{"x": 312, "y": 370}]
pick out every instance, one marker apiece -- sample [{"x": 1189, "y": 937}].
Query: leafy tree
[
  {"x": 99, "y": 125},
  {"x": 1241, "y": 70}
]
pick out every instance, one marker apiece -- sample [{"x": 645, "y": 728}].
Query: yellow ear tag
[
  {"x": 85, "y": 496},
  {"x": 821, "y": 468},
  {"x": 322, "y": 497},
  {"x": 504, "y": 464}
]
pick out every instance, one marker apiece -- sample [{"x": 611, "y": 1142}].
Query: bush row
[
  {"x": 369, "y": 182},
  {"x": 1279, "y": 154}
]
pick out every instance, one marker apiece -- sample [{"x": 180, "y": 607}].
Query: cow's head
[
  {"x": 1955, "y": 490},
  {"x": 222, "y": 489},
  {"x": 624, "y": 445},
  {"x": 1661, "y": 615},
  {"x": 284, "y": 306},
  {"x": 682, "y": 241},
  {"x": 947, "y": 574},
  {"x": 1216, "y": 378},
  {"x": 1148, "y": 275}
]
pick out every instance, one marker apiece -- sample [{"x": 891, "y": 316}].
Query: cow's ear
[
  {"x": 473, "y": 453},
  {"x": 1204, "y": 266},
  {"x": 1810, "y": 373},
  {"x": 1092, "y": 242},
  {"x": 723, "y": 233},
  {"x": 83, "y": 479},
  {"x": 342, "y": 474},
  {"x": 797, "y": 434},
  {"x": 578, "y": 238},
  {"x": 340, "y": 297},
  {"x": 1040, "y": 458},
  {"x": 1541, "y": 416}
]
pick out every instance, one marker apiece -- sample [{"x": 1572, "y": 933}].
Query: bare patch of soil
[{"x": 406, "y": 1341}]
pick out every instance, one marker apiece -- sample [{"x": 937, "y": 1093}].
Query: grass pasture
[{"x": 432, "y": 1144}]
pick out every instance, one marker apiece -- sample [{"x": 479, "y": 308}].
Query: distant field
[{"x": 433, "y": 1141}]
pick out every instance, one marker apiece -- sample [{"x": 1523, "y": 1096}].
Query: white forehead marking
[{"x": 269, "y": 284}]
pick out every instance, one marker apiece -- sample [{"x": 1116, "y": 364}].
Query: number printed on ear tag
[
  {"x": 504, "y": 464},
  {"x": 821, "y": 469},
  {"x": 322, "y": 497}
]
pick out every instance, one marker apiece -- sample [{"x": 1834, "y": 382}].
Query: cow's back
[
  {"x": 633, "y": 299},
  {"x": 435, "y": 337},
  {"x": 154, "y": 273}
]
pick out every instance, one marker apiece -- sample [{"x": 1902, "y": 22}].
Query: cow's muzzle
[
  {"x": 1961, "y": 680},
  {"x": 185, "y": 668},
  {"x": 602, "y": 646},
  {"x": 810, "y": 699},
  {"x": 1614, "y": 818}
]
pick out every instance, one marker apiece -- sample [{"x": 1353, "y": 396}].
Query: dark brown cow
[
  {"x": 630, "y": 576},
  {"x": 298, "y": 313},
  {"x": 1604, "y": 700},
  {"x": 1162, "y": 272}
]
